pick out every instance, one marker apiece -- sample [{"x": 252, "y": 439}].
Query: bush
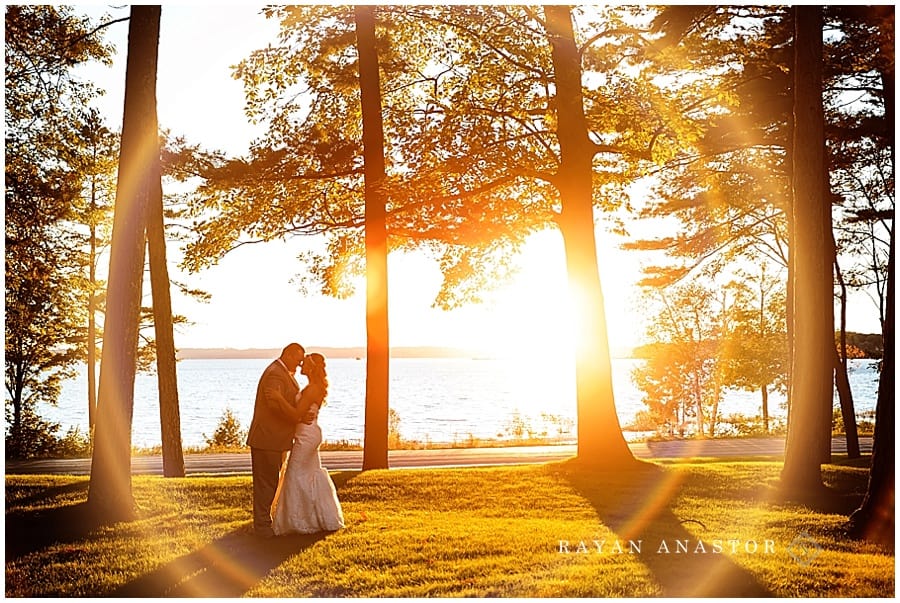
[
  {"x": 74, "y": 444},
  {"x": 563, "y": 425},
  {"x": 865, "y": 422},
  {"x": 33, "y": 438},
  {"x": 37, "y": 438},
  {"x": 228, "y": 433},
  {"x": 744, "y": 426},
  {"x": 394, "y": 439},
  {"x": 647, "y": 420}
]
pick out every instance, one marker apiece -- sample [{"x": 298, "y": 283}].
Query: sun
[{"x": 535, "y": 312}]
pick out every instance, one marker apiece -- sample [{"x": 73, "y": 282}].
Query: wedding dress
[{"x": 306, "y": 501}]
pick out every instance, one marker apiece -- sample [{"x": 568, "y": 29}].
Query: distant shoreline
[{"x": 352, "y": 352}]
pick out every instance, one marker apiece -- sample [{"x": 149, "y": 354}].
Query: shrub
[
  {"x": 563, "y": 425},
  {"x": 865, "y": 422},
  {"x": 647, "y": 420},
  {"x": 744, "y": 426},
  {"x": 228, "y": 433},
  {"x": 74, "y": 444},
  {"x": 394, "y": 440},
  {"x": 37, "y": 438}
]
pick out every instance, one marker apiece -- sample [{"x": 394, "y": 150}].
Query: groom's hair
[{"x": 291, "y": 347}]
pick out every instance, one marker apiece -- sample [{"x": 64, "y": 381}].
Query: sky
[{"x": 256, "y": 304}]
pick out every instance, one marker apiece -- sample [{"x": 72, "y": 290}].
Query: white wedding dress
[{"x": 306, "y": 501}]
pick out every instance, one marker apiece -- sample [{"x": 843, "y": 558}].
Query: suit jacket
[{"x": 272, "y": 428}]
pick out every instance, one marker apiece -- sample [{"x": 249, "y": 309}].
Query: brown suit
[
  {"x": 270, "y": 437},
  {"x": 273, "y": 424}
]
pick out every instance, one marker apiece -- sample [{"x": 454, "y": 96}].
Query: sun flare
[{"x": 535, "y": 312}]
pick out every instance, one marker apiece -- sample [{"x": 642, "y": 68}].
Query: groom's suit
[
  {"x": 270, "y": 437},
  {"x": 272, "y": 427}
]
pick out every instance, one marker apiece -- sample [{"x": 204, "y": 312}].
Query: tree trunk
[
  {"x": 698, "y": 389},
  {"x": 764, "y": 391},
  {"x": 841, "y": 377},
  {"x": 110, "y": 495},
  {"x": 813, "y": 316},
  {"x": 166, "y": 370},
  {"x": 92, "y": 320},
  {"x": 375, "y": 446},
  {"x": 848, "y": 414},
  {"x": 17, "y": 397},
  {"x": 791, "y": 262},
  {"x": 600, "y": 439},
  {"x": 874, "y": 519}
]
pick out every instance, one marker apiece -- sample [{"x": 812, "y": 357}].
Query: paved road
[{"x": 462, "y": 457}]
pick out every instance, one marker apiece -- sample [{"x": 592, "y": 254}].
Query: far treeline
[
  {"x": 859, "y": 345},
  {"x": 869, "y": 345},
  {"x": 755, "y": 142}
]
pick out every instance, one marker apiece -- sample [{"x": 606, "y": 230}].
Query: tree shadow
[
  {"x": 825, "y": 499},
  {"x": 635, "y": 505},
  {"x": 226, "y": 568},
  {"x": 35, "y": 530},
  {"x": 342, "y": 477},
  {"x": 839, "y": 492},
  {"x": 41, "y": 493}
]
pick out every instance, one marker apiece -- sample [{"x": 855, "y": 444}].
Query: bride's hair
[{"x": 316, "y": 372}]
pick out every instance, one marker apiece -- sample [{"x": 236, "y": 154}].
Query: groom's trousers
[{"x": 266, "y": 465}]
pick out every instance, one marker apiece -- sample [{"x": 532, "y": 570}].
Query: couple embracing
[{"x": 297, "y": 496}]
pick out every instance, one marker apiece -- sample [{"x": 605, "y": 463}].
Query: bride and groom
[{"x": 297, "y": 496}]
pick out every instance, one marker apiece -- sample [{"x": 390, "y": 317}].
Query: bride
[{"x": 306, "y": 501}]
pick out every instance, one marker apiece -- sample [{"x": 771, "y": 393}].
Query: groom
[{"x": 271, "y": 434}]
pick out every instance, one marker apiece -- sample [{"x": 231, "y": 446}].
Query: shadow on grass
[
  {"x": 840, "y": 494},
  {"x": 342, "y": 477},
  {"x": 35, "y": 530},
  {"x": 41, "y": 493},
  {"x": 226, "y": 568},
  {"x": 636, "y": 506}
]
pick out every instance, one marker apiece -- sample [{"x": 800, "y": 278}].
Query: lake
[{"x": 437, "y": 399}]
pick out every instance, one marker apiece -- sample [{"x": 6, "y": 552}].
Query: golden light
[{"x": 537, "y": 311}]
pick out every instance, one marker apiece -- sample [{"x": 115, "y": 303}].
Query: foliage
[
  {"x": 729, "y": 192},
  {"x": 37, "y": 438},
  {"x": 755, "y": 354},
  {"x": 519, "y": 428},
  {"x": 394, "y": 438},
  {"x": 852, "y": 351},
  {"x": 34, "y": 438},
  {"x": 865, "y": 422},
  {"x": 45, "y": 311},
  {"x": 682, "y": 378},
  {"x": 647, "y": 420},
  {"x": 859, "y": 66},
  {"x": 743, "y": 426},
  {"x": 871, "y": 345},
  {"x": 728, "y": 189},
  {"x": 228, "y": 434},
  {"x": 709, "y": 338},
  {"x": 470, "y": 132},
  {"x": 73, "y": 444}
]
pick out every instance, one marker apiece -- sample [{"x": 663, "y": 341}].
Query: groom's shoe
[{"x": 263, "y": 532}]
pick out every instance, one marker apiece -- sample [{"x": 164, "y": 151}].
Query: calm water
[{"x": 438, "y": 400}]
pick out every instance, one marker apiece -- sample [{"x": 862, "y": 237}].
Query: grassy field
[{"x": 555, "y": 530}]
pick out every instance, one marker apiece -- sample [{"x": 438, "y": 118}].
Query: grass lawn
[{"x": 555, "y": 530}]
